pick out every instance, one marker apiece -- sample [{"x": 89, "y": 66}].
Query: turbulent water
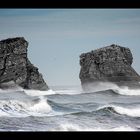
[{"x": 108, "y": 108}]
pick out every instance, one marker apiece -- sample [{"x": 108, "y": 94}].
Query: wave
[
  {"x": 74, "y": 127},
  {"x": 42, "y": 106},
  {"x": 127, "y": 91},
  {"x": 39, "y": 93},
  {"x": 29, "y": 92},
  {"x": 52, "y": 92},
  {"x": 39, "y": 105},
  {"x": 117, "y": 91},
  {"x": 24, "y": 103},
  {"x": 106, "y": 86},
  {"x": 132, "y": 112},
  {"x": 102, "y": 87},
  {"x": 12, "y": 108},
  {"x": 68, "y": 92}
]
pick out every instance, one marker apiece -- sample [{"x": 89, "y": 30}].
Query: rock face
[
  {"x": 15, "y": 67},
  {"x": 108, "y": 64}
]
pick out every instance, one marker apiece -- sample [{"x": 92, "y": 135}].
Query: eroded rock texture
[
  {"x": 15, "y": 66},
  {"x": 108, "y": 64}
]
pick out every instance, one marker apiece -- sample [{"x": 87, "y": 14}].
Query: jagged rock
[
  {"x": 108, "y": 64},
  {"x": 15, "y": 66}
]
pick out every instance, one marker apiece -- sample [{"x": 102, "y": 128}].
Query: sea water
[{"x": 69, "y": 108}]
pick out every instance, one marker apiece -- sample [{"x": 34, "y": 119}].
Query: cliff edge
[
  {"x": 108, "y": 64},
  {"x": 15, "y": 67}
]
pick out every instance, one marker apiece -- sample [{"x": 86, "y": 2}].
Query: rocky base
[{"x": 15, "y": 66}]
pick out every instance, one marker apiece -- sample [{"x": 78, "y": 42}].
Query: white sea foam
[
  {"x": 127, "y": 91},
  {"x": 39, "y": 93},
  {"x": 123, "y": 128},
  {"x": 68, "y": 91},
  {"x": 102, "y": 86},
  {"x": 11, "y": 90},
  {"x": 75, "y": 127},
  {"x": 12, "y": 108},
  {"x": 132, "y": 112},
  {"x": 41, "y": 107}
]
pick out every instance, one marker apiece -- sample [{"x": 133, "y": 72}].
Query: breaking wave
[
  {"x": 30, "y": 103},
  {"x": 132, "y": 112},
  {"x": 68, "y": 104},
  {"x": 15, "y": 108},
  {"x": 101, "y": 88},
  {"x": 127, "y": 91},
  {"x": 105, "y": 86},
  {"x": 39, "y": 105}
]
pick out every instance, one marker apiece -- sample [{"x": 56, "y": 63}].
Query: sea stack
[
  {"x": 15, "y": 67},
  {"x": 108, "y": 64}
]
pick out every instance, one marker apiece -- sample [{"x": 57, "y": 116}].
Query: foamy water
[{"x": 68, "y": 109}]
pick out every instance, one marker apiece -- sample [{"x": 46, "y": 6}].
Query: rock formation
[
  {"x": 15, "y": 67},
  {"x": 108, "y": 64}
]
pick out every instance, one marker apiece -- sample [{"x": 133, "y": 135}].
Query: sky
[{"x": 57, "y": 37}]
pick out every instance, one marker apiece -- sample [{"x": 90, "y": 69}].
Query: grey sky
[{"x": 58, "y": 36}]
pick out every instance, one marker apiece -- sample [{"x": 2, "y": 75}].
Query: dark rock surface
[
  {"x": 108, "y": 64},
  {"x": 15, "y": 67}
]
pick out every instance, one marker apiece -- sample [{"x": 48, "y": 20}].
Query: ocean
[{"x": 69, "y": 108}]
